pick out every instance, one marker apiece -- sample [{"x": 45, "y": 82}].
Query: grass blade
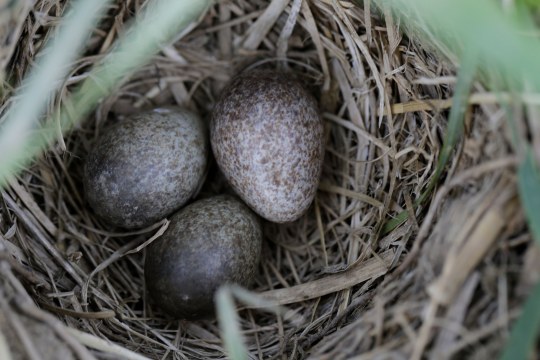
[
  {"x": 529, "y": 191},
  {"x": 161, "y": 21},
  {"x": 40, "y": 85},
  {"x": 527, "y": 327},
  {"x": 525, "y": 331},
  {"x": 5, "y": 353},
  {"x": 228, "y": 324},
  {"x": 481, "y": 24}
]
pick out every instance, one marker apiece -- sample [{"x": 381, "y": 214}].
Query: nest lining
[{"x": 371, "y": 293}]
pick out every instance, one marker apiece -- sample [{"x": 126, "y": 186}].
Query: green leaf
[
  {"x": 22, "y": 137},
  {"x": 532, "y": 3},
  {"x": 529, "y": 191},
  {"x": 526, "y": 329},
  {"x": 228, "y": 324},
  {"x": 18, "y": 131}
]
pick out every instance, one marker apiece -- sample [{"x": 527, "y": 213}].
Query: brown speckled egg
[
  {"x": 209, "y": 243},
  {"x": 267, "y": 137},
  {"x": 146, "y": 167}
]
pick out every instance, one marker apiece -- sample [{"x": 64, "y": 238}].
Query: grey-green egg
[
  {"x": 146, "y": 166},
  {"x": 212, "y": 242},
  {"x": 267, "y": 138}
]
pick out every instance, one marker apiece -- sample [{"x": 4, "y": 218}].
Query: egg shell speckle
[
  {"x": 267, "y": 137},
  {"x": 209, "y": 243},
  {"x": 146, "y": 166}
]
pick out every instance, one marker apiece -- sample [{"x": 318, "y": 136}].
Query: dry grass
[{"x": 447, "y": 282}]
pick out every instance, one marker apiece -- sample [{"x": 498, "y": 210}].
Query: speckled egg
[
  {"x": 267, "y": 137},
  {"x": 146, "y": 166},
  {"x": 209, "y": 243}
]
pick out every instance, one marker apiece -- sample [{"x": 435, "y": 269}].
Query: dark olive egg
[
  {"x": 267, "y": 137},
  {"x": 209, "y": 243},
  {"x": 146, "y": 167}
]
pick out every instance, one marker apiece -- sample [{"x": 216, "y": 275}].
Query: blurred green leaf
[
  {"x": 228, "y": 324},
  {"x": 529, "y": 191},
  {"x": 531, "y": 3},
  {"x": 21, "y": 127},
  {"x": 228, "y": 319},
  {"x": 525, "y": 331},
  {"x": 5, "y": 353},
  {"x": 21, "y": 136},
  {"x": 527, "y": 328},
  {"x": 502, "y": 38}
]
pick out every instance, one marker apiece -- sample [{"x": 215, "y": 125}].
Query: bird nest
[{"x": 375, "y": 268}]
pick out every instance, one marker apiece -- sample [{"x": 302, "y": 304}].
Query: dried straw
[{"x": 445, "y": 283}]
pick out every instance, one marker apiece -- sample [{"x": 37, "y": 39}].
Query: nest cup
[{"x": 353, "y": 278}]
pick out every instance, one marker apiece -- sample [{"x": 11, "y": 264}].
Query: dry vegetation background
[{"x": 446, "y": 283}]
